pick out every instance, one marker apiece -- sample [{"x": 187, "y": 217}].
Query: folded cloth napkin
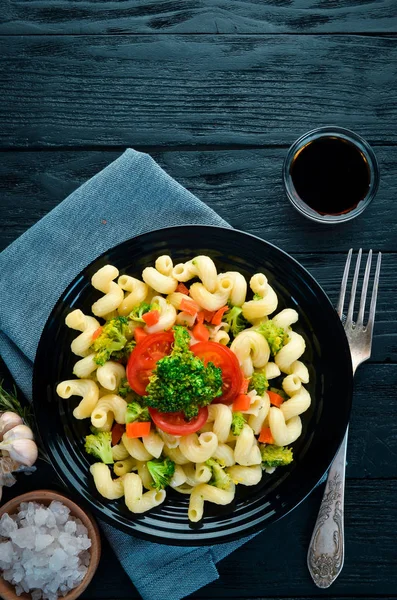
[{"x": 132, "y": 195}]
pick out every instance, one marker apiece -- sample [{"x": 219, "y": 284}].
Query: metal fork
[{"x": 326, "y": 550}]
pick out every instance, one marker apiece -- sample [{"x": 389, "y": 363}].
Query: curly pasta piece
[
  {"x": 285, "y": 318},
  {"x": 110, "y": 375},
  {"x": 135, "y": 499},
  {"x": 245, "y": 475},
  {"x": 256, "y": 421},
  {"x": 102, "y": 280},
  {"x": 221, "y": 416},
  {"x": 86, "y": 388},
  {"x": 251, "y": 349},
  {"x": 293, "y": 349},
  {"x": 284, "y": 432},
  {"x": 135, "y": 448},
  {"x": 121, "y": 467},
  {"x": 110, "y": 403},
  {"x": 210, "y": 493},
  {"x": 299, "y": 400},
  {"x": 153, "y": 444},
  {"x": 109, "y": 488},
  {"x": 138, "y": 291},
  {"x": 238, "y": 290},
  {"x": 224, "y": 454},
  {"x": 163, "y": 284},
  {"x": 271, "y": 370},
  {"x": 247, "y": 452},
  {"x": 257, "y": 309},
  {"x": 200, "y": 448},
  {"x": 205, "y": 269},
  {"x": 84, "y": 367},
  {"x": 164, "y": 265},
  {"x": 80, "y": 322},
  {"x": 208, "y": 300},
  {"x": 119, "y": 452}
]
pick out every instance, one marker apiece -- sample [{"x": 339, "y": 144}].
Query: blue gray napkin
[{"x": 132, "y": 195}]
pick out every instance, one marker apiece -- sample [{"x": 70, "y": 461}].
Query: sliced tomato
[
  {"x": 200, "y": 332},
  {"x": 175, "y": 422},
  {"x": 143, "y": 359},
  {"x": 139, "y": 334},
  {"x": 218, "y": 316},
  {"x": 221, "y": 356}
]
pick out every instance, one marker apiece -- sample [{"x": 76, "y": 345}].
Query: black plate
[{"x": 324, "y": 424}]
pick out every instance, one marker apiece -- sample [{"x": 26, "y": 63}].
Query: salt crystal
[
  {"x": 58, "y": 559},
  {"x": 70, "y": 527},
  {"x": 7, "y": 525},
  {"x": 40, "y": 517},
  {"x": 60, "y": 511},
  {"x": 24, "y": 538},
  {"x": 42, "y": 541},
  {"x": 6, "y": 554}
]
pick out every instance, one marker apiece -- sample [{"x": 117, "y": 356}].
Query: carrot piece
[
  {"x": 151, "y": 318},
  {"x": 138, "y": 429},
  {"x": 96, "y": 333},
  {"x": 200, "y": 317},
  {"x": 218, "y": 316},
  {"x": 182, "y": 289},
  {"x": 244, "y": 386},
  {"x": 139, "y": 334},
  {"x": 189, "y": 306},
  {"x": 242, "y": 402},
  {"x": 208, "y": 315},
  {"x": 117, "y": 433},
  {"x": 200, "y": 332},
  {"x": 275, "y": 399},
  {"x": 266, "y": 436}
]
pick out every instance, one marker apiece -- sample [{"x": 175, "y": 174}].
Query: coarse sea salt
[{"x": 43, "y": 550}]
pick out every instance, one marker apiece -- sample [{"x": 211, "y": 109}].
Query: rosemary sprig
[{"x": 10, "y": 402}]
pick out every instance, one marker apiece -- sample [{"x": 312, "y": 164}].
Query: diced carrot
[
  {"x": 138, "y": 429},
  {"x": 189, "y": 306},
  {"x": 182, "y": 289},
  {"x": 96, "y": 333},
  {"x": 139, "y": 334},
  {"x": 200, "y": 317},
  {"x": 242, "y": 402},
  {"x": 275, "y": 399},
  {"x": 218, "y": 316},
  {"x": 266, "y": 436},
  {"x": 244, "y": 386},
  {"x": 117, "y": 433},
  {"x": 200, "y": 332},
  {"x": 151, "y": 318},
  {"x": 208, "y": 315}
]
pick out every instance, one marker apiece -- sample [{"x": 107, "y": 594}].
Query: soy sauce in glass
[{"x": 331, "y": 175}]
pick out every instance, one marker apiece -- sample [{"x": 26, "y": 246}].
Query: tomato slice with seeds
[
  {"x": 221, "y": 356},
  {"x": 175, "y": 422},
  {"x": 143, "y": 359}
]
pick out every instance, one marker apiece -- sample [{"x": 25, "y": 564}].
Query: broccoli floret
[
  {"x": 220, "y": 478},
  {"x": 275, "y": 456},
  {"x": 100, "y": 446},
  {"x": 234, "y": 317},
  {"x": 138, "y": 311},
  {"x": 162, "y": 471},
  {"x": 181, "y": 380},
  {"x": 259, "y": 383},
  {"x": 238, "y": 423},
  {"x": 111, "y": 339},
  {"x": 276, "y": 336},
  {"x": 136, "y": 412},
  {"x": 124, "y": 388},
  {"x": 123, "y": 355}
]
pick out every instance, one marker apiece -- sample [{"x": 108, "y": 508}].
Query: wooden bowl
[{"x": 7, "y": 590}]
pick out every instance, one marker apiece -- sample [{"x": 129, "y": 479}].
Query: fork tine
[
  {"x": 360, "y": 317},
  {"x": 349, "y": 318},
  {"x": 372, "y": 308},
  {"x": 342, "y": 293}
]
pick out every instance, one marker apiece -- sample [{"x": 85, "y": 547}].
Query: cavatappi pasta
[{"x": 233, "y": 443}]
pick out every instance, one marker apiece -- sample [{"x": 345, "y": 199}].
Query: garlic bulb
[
  {"x": 22, "y": 450},
  {"x": 8, "y": 420},
  {"x": 19, "y": 432}
]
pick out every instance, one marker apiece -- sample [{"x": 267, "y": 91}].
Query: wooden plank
[
  {"x": 163, "y": 90},
  {"x": 187, "y": 16}
]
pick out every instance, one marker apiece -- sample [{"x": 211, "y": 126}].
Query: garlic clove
[
  {"x": 19, "y": 432},
  {"x": 22, "y": 450},
  {"x": 8, "y": 420}
]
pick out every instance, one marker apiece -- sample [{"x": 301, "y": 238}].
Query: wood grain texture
[
  {"x": 244, "y": 187},
  {"x": 162, "y": 90},
  {"x": 188, "y": 16}
]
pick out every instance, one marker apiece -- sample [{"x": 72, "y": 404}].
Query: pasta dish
[{"x": 175, "y": 372}]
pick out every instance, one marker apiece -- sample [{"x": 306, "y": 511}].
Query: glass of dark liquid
[{"x": 331, "y": 175}]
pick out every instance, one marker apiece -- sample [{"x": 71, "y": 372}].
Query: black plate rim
[{"x": 312, "y": 481}]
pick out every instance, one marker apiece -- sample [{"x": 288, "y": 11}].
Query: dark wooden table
[{"x": 216, "y": 91}]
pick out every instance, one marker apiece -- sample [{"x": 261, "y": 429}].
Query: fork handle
[{"x": 327, "y": 546}]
